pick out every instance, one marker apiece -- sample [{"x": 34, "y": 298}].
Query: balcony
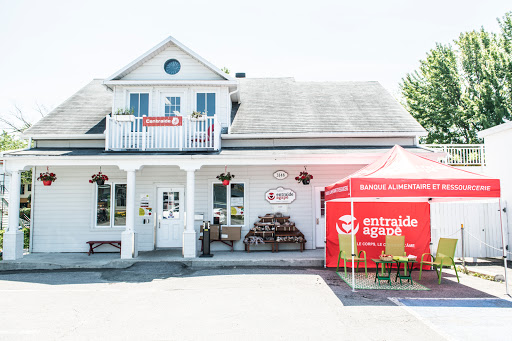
[
  {"x": 175, "y": 133},
  {"x": 461, "y": 154}
]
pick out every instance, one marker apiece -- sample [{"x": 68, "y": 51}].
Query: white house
[
  {"x": 165, "y": 162},
  {"x": 498, "y": 159}
]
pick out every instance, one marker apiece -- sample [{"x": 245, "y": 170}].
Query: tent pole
[
  {"x": 352, "y": 224},
  {"x": 325, "y": 234},
  {"x": 504, "y": 250}
]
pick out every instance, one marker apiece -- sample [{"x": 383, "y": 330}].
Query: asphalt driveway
[{"x": 169, "y": 301}]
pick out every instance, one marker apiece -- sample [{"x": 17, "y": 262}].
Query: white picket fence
[
  {"x": 482, "y": 229},
  {"x": 191, "y": 135}
]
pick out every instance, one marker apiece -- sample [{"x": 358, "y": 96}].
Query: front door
[
  {"x": 320, "y": 217},
  {"x": 170, "y": 222}
]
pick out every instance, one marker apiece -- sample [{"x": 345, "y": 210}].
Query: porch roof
[{"x": 335, "y": 154}]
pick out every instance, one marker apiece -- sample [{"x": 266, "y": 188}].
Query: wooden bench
[{"x": 101, "y": 242}]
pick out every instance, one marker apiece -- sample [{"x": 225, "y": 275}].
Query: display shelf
[{"x": 274, "y": 230}]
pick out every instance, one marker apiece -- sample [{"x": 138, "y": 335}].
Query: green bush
[
  {"x": 26, "y": 238},
  {"x": 24, "y": 211}
]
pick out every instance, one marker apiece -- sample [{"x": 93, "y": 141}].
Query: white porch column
[
  {"x": 189, "y": 235},
  {"x": 13, "y": 237},
  {"x": 129, "y": 247}
]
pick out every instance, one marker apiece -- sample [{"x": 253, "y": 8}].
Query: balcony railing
[
  {"x": 188, "y": 135},
  {"x": 461, "y": 154}
]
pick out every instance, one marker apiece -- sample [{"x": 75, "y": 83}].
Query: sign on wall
[
  {"x": 280, "y": 195},
  {"x": 372, "y": 222},
  {"x": 280, "y": 175},
  {"x": 175, "y": 121}
]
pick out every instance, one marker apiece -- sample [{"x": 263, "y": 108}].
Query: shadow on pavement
[{"x": 149, "y": 271}]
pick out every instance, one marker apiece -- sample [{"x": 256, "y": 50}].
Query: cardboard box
[
  {"x": 231, "y": 232},
  {"x": 214, "y": 231}
]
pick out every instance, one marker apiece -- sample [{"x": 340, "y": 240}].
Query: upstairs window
[
  {"x": 206, "y": 102},
  {"x": 139, "y": 102},
  {"x": 172, "y": 104}
]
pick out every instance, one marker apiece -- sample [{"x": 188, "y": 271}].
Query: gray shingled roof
[
  {"x": 82, "y": 113},
  {"x": 282, "y": 105}
]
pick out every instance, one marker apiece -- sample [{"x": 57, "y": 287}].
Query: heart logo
[
  {"x": 271, "y": 196},
  {"x": 346, "y": 225}
]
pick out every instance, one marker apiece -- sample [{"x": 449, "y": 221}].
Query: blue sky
[{"x": 49, "y": 49}]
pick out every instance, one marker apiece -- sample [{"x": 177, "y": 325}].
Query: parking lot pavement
[{"x": 172, "y": 302}]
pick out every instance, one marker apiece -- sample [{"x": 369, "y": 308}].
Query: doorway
[
  {"x": 170, "y": 220},
  {"x": 319, "y": 217}
]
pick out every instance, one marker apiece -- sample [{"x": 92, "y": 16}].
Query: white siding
[
  {"x": 481, "y": 227},
  {"x": 498, "y": 159},
  {"x": 64, "y": 212},
  {"x": 191, "y": 69}
]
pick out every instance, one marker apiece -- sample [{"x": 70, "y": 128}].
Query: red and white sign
[
  {"x": 175, "y": 121},
  {"x": 280, "y": 196},
  {"x": 372, "y": 222}
]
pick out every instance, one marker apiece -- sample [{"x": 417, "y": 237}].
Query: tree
[
  {"x": 462, "y": 89},
  {"x": 8, "y": 142}
]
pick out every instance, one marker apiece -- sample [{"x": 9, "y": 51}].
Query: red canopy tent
[{"x": 400, "y": 174}]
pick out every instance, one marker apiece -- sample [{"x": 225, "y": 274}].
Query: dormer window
[
  {"x": 206, "y": 102},
  {"x": 172, "y": 104},
  {"x": 139, "y": 102}
]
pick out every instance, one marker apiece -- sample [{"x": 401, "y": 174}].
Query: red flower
[
  {"x": 311, "y": 176},
  {"x": 90, "y": 181}
]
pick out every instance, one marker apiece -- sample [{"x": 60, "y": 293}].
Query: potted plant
[
  {"x": 99, "y": 179},
  {"x": 225, "y": 178},
  {"x": 197, "y": 116},
  {"x": 124, "y": 115},
  {"x": 304, "y": 178},
  {"x": 47, "y": 178}
]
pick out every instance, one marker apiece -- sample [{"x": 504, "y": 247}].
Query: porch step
[{"x": 50, "y": 261}]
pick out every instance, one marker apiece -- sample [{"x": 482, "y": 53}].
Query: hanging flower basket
[
  {"x": 47, "y": 178},
  {"x": 225, "y": 178},
  {"x": 99, "y": 179},
  {"x": 304, "y": 178}
]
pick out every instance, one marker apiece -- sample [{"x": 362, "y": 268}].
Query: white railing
[
  {"x": 461, "y": 154},
  {"x": 192, "y": 135}
]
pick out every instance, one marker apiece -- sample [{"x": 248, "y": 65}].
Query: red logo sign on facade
[
  {"x": 175, "y": 121},
  {"x": 372, "y": 222},
  {"x": 280, "y": 196}
]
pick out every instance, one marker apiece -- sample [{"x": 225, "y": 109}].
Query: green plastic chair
[
  {"x": 444, "y": 257},
  {"x": 395, "y": 246},
  {"x": 345, "y": 241}
]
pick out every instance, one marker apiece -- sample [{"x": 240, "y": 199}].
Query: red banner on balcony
[{"x": 175, "y": 121}]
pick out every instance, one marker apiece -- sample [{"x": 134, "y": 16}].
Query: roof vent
[{"x": 240, "y": 75}]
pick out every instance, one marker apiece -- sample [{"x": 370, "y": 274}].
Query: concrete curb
[{"x": 191, "y": 263}]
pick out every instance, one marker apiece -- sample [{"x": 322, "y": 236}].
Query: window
[
  {"x": 111, "y": 196},
  {"x": 206, "y": 103},
  {"x": 22, "y": 189},
  {"x": 172, "y": 104},
  {"x": 228, "y": 204},
  {"x": 322, "y": 203},
  {"x": 139, "y": 102},
  {"x": 29, "y": 188}
]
